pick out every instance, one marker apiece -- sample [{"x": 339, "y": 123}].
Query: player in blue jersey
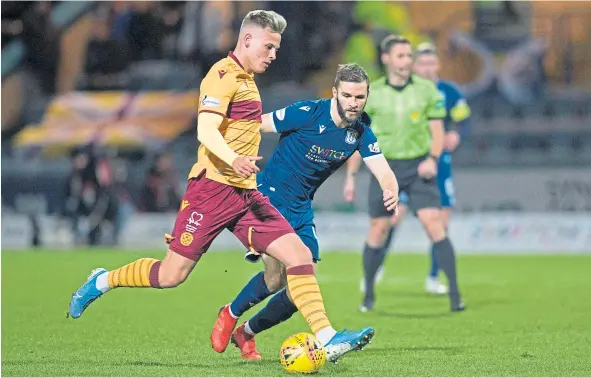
[
  {"x": 317, "y": 137},
  {"x": 457, "y": 126}
]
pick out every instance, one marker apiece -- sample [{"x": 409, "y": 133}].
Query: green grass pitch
[{"x": 526, "y": 316}]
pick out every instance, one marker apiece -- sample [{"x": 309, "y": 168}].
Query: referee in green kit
[{"x": 407, "y": 113}]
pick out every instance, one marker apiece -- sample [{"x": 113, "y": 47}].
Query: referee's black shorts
[{"x": 422, "y": 193}]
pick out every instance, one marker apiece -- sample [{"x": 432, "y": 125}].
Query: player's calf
[{"x": 145, "y": 272}]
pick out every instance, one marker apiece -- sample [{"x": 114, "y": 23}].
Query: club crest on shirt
[{"x": 351, "y": 137}]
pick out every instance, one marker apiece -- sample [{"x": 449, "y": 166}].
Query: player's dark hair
[
  {"x": 392, "y": 40},
  {"x": 265, "y": 19},
  {"x": 351, "y": 73}
]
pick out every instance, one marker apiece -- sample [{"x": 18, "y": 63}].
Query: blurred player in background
[
  {"x": 221, "y": 192},
  {"x": 427, "y": 66},
  {"x": 407, "y": 113},
  {"x": 317, "y": 137}
]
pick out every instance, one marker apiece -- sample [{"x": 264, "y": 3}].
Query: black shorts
[{"x": 422, "y": 193}]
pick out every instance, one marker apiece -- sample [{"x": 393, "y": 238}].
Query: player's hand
[
  {"x": 451, "y": 140},
  {"x": 391, "y": 201},
  {"x": 244, "y": 165},
  {"x": 428, "y": 168},
  {"x": 349, "y": 189}
]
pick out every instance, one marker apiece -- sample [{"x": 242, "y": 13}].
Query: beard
[{"x": 343, "y": 115}]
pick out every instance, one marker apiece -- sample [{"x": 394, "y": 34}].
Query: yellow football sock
[
  {"x": 305, "y": 294},
  {"x": 140, "y": 273}
]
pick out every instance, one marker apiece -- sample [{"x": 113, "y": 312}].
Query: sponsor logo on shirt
[
  {"x": 210, "y": 102},
  {"x": 319, "y": 154},
  {"x": 322, "y": 128},
  {"x": 305, "y": 108}
]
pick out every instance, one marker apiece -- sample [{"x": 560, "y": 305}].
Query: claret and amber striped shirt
[{"x": 228, "y": 90}]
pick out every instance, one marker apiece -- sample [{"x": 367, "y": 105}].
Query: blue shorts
[
  {"x": 444, "y": 183},
  {"x": 301, "y": 218}
]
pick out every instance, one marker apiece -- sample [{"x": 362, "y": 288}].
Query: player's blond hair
[
  {"x": 351, "y": 73},
  {"x": 265, "y": 19},
  {"x": 426, "y": 48}
]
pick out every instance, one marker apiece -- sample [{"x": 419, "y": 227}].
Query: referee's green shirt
[{"x": 400, "y": 116}]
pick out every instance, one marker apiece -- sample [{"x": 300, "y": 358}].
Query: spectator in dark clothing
[
  {"x": 106, "y": 60},
  {"x": 42, "y": 41},
  {"x": 145, "y": 32},
  {"x": 162, "y": 192},
  {"x": 88, "y": 194}
]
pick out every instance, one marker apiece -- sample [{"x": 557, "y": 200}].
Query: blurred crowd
[
  {"x": 195, "y": 32},
  {"x": 97, "y": 195}
]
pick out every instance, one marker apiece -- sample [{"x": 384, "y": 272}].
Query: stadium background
[
  {"x": 116, "y": 84},
  {"x": 123, "y": 77}
]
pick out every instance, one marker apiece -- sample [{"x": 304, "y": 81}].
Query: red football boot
[
  {"x": 245, "y": 342},
  {"x": 222, "y": 329}
]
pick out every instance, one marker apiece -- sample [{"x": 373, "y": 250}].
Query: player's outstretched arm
[
  {"x": 209, "y": 135},
  {"x": 379, "y": 167}
]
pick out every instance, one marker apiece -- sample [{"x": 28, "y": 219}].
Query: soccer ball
[{"x": 302, "y": 353}]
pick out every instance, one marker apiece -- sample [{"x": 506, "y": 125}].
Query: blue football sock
[
  {"x": 434, "y": 267},
  {"x": 278, "y": 309},
  {"x": 254, "y": 292}
]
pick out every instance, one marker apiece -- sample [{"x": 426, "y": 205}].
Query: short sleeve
[
  {"x": 368, "y": 145},
  {"x": 436, "y": 105},
  {"x": 293, "y": 117},
  {"x": 459, "y": 109},
  {"x": 217, "y": 91}
]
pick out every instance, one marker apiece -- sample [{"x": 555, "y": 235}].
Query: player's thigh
[
  {"x": 206, "y": 210},
  {"x": 264, "y": 229}
]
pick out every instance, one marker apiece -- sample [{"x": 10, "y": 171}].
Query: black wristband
[{"x": 434, "y": 157}]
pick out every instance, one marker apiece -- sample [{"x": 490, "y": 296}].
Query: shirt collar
[{"x": 398, "y": 87}]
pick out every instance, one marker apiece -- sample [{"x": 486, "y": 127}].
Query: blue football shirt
[{"x": 311, "y": 147}]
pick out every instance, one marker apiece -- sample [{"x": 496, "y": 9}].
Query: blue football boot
[
  {"x": 346, "y": 341},
  {"x": 85, "y": 295}
]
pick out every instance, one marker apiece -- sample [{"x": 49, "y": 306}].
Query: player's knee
[
  {"x": 274, "y": 282},
  {"x": 433, "y": 223},
  {"x": 304, "y": 257},
  {"x": 290, "y": 250},
  {"x": 378, "y": 231}
]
